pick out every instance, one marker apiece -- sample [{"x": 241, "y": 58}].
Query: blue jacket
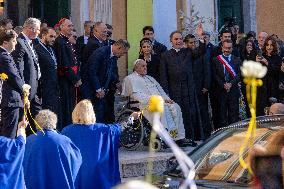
[{"x": 95, "y": 72}]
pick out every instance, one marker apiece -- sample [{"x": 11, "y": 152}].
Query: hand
[
  {"x": 78, "y": 83},
  {"x": 169, "y": 101},
  {"x": 22, "y": 128},
  {"x": 27, "y": 104},
  {"x": 281, "y": 86},
  {"x": 199, "y": 30},
  {"x": 204, "y": 90},
  {"x": 258, "y": 58},
  {"x": 100, "y": 94},
  {"x": 227, "y": 86},
  {"x": 135, "y": 115},
  {"x": 119, "y": 87},
  {"x": 282, "y": 67}
]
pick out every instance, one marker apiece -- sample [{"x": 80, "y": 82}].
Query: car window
[{"x": 221, "y": 162}]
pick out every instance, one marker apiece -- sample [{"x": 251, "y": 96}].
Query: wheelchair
[{"x": 137, "y": 134}]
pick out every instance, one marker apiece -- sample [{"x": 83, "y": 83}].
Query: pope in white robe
[{"x": 139, "y": 87}]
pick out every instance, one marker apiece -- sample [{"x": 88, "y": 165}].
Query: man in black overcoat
[
  {"x": 97, "y": 39},
  {"x": 68, "y": 76},
  {"x": 83, "y": 40},
  {"x": 202, "y": 77},
  {"x": 176, "y": 78},
  {"x": 48, "y": 66},
  {"x": 12, "y": 91},
  {"x": 100, "y": 77},
  {"x": 26, "y": 60},
  {"x": 226, "y": 74}
]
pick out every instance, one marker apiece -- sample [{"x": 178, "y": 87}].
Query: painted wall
[
  {"x": 164, "y": 20},
  {"x": 270, "y": 16},
  {"x": 139, "y": 14}
]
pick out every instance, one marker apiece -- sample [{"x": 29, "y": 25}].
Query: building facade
[{"x": 128, "y": 17}]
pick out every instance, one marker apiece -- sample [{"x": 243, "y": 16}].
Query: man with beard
[
  {"x": 68, "y": 67},
  {"x": 100, "y": 76},
  {"x": 226, "y": 73},
  {"x": 201, "y": 76},
  {"x": 48, "y": 66},
  {"x": 176, "y": 78}
]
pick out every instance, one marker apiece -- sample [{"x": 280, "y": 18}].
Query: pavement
[{"x": 133, "y": 164}]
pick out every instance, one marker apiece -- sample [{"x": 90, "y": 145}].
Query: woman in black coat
[
  {"x": 272, "y": 61},
  {"x": 249, "y": 51},
  {"x": 146, "y": 53}
]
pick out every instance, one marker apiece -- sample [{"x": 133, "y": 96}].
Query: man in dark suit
[
  {"x": 12, "y": 91},
  {"x": 83, "y": 40},
  {"x": 101, "y": 76},
  {"x": 68, "y": 76},
  {"x": 176, "y": 78},
  {"x": 201, "y": 77},
  {"x": 26, "y": 60},
  {"x": 48, "y": 66},
  {"x": 159, "y": 48},
  {"x": 225, "y": 34},
  {"x": 226, "y": 74},
  {"x": 97, "y": 39}
]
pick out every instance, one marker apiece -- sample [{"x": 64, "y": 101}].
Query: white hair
[
  {"x": 46, "y": 119},
  {"x": 135, "y": 63},
  {"x": 32, "y": 22}
]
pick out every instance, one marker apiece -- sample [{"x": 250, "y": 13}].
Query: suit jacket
[
  {"x": 48, "y": 67},
  {"x": 95, "y": 75},
  {"x": 219, "y": 75},
  {"x": 80, "y": 45},
  {"x": 159, "y": 48},
  {"x": 92, "y": 45},
  {"x": 27, "y": 63},
  {"x": 12, "y": 90}
]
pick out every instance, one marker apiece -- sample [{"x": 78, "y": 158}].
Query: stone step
[{"x": 135, "y": 163}]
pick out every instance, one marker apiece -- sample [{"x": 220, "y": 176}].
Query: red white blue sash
[{"x": 227, "y": 65}]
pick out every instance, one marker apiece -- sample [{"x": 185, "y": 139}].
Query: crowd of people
[{"x": 201, "y": 84}]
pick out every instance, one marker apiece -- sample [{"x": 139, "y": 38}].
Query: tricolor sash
[{"x": 227, "y": 65}]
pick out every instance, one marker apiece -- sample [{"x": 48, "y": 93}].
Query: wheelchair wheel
[
  {"x": 132, "y": 136},
  {"x": 157, "y": 145}
]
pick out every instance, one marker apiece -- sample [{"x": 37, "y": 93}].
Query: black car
[{"x": 217, "y": 159}]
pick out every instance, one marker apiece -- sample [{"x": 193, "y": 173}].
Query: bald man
[
  {"x": 261, "y": 38},
  {"x": 276, "y": 109},
  {"x": 67, "y": 68}
]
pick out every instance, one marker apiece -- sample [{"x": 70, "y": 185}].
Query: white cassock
[{"x": 140, "y": 88}]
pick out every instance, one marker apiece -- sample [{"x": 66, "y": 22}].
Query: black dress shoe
[{"x": 186, "y": 142}]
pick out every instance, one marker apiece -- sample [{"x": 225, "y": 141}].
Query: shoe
[{"x": 186, "y": 142}]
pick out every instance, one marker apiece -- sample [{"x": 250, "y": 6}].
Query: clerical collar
[
  {"x": 111, "y": 53},
  {"x": 64, "y": 36},
  {"x": 4, "y": 49},
  {"x": 27, "y": 39},
  {"x": 177, "y": 50}
]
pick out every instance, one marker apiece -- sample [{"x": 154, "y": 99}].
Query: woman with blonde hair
[{"x": 98, "y": 144}]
